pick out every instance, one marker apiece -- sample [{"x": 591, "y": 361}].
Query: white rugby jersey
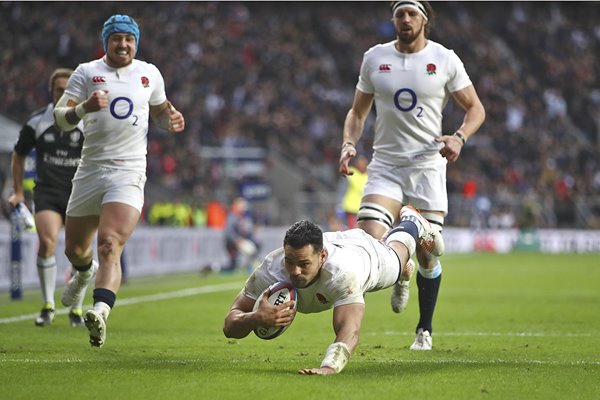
[
  {"x": 356, "y": 263},
  {"x": 410, "y": 91},
  {"x": 118, "y": 132}
]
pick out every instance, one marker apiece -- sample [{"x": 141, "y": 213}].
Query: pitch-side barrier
[{"x": 160, "y": 251}]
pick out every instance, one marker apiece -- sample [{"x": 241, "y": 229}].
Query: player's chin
[{"x": 299, "y": 283}]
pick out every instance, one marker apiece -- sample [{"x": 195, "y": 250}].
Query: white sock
[
  {"x": 102, "y": 308},
  {"x": 405, "y": 238},
  {"x": 85, "y": 275},
  {"x": 46, "y": 267},
  {"x": 431, "y": 273}
]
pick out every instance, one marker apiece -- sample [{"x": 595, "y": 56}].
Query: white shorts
[
  {"x": 95, "y": 185},
  {"x": 422, "y": 186}
]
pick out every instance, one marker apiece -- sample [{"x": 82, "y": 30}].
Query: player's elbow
[
  {"x": 60, "y": 119},
  {"x": 230, "y": 331},
  {"x": 227, "y": 330}
]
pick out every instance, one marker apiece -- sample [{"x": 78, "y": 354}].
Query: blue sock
[
  {"x": 105, "y": 296},
  {"x": 428, "y": 293},
  {"x": 83, "y": 267},
  {"x": 407, "y": 226}
]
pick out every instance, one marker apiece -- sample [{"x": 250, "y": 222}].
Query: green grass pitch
[{"x": 514, "y": 326}]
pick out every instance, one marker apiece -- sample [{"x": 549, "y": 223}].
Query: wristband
[
  {"x": 348, "y": 144},
  {"x": 80, "y": 110},
  {"x": 336, "y": 357},
  {"x": 462, "y": 137}
]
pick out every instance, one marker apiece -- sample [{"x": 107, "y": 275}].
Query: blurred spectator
[
  {"x": 216, "y": 215},
  {"x": 240, "y": 242},
  {"x": 534, "y": 64},
  {"x": 351, "y": 189}
]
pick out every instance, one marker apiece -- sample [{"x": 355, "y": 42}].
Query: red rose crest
[
  {"x": 322, "y": 299},
  {"x": 431, "y": 68},
  {"x": 145, "y": 82}
]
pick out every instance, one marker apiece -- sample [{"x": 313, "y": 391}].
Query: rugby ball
[{"x": 277, "y": 293}]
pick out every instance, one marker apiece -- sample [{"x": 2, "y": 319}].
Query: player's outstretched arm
[
  {"x": 347, "y": 320},
  {"x": 241, "y": 320}
]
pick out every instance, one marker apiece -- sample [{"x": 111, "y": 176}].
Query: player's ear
[{"x": 323, "y": 256}]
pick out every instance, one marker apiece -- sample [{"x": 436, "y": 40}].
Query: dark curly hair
[{"x": 302, "y": 233}]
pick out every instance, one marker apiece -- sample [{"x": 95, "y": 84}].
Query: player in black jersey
[{"x": 57, "y": 157}]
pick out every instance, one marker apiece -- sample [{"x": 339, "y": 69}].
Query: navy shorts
[{"x": 51, "y": 199}]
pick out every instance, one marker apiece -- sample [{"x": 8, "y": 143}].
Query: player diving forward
[{"x": 332, "y": 269}]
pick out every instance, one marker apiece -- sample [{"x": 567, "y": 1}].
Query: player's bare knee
[
  {"x": 107, "y": 246},
  {"x": 47, "y": 245},
  {"x": 77, "y": 255}
]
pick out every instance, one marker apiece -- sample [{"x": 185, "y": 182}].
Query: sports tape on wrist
[
  {"x": 80, "y": 110},
  {"x": 336, "y": 357}
]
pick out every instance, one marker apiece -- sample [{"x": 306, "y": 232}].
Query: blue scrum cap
[{"x": 120, "y": 24}]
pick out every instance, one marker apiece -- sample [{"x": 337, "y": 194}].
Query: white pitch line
[
  {"x": 479, "y": 362},
  {"x": 490, "y": 334},
  {"x": 236, "y": 285},
  {"x": 374, "y": 361},
  {"x": 143, "y": 299}
]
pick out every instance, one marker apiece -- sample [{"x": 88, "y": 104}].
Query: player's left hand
[
  {"x": 176, "y": 120},
  {"x": 316, "y": 371},
  {"x": 452, "y": 147}
]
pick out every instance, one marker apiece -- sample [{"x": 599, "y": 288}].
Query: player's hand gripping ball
[{"x": 277, "y": 293}]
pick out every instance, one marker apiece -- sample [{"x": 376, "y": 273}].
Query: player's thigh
[
  {"x": 79, "y": 233},
  {"x": 47, "y": 225},
  {"x": 121, "y": 205},
  {"x": 425, "y": 188},
  {"x": 117, "y": 221}
]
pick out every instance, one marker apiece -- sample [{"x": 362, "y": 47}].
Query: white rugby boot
[
  {"x": 401, "y": 289},
  {"x": 427, "y": 233},
  {"x": 422, "y": 341},
  {"x": 96, "y": 325},
  {"x": 75, "y": 289}
]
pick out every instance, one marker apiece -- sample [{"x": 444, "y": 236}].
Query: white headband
[{"x": 415, "y": 5}]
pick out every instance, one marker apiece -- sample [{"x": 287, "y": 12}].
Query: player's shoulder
[
  {"x": 145, "y": 66},
  {"x": 91, "y": 65},
  {"x": 38, "y": 112},
  {"x": 439, "y": 50},
  {"x": 34, "y": 118},
  {"x": 379, "y": 49}
]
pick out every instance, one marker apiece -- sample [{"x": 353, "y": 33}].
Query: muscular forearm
[
  {"x": 238, "y": 324},
  {"x": 473, "y": 120},
  {"x": 353, "y": 127},
  {"x": 18, "y": 172},
  {"x": 348, "y": 338}
]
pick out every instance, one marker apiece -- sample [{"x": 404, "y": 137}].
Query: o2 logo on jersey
[
  {"x": 119, "y": 104},
  {"x": 122, "y": 108},
  {"x": 405, "y": 100}
]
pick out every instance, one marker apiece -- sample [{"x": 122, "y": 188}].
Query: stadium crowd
[{"x": 281, "y": 76}]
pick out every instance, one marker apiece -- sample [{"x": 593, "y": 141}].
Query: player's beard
[{"x": 408, "y": 37}]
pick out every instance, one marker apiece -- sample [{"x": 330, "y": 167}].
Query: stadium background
[{"x": 265, "y": 87}]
